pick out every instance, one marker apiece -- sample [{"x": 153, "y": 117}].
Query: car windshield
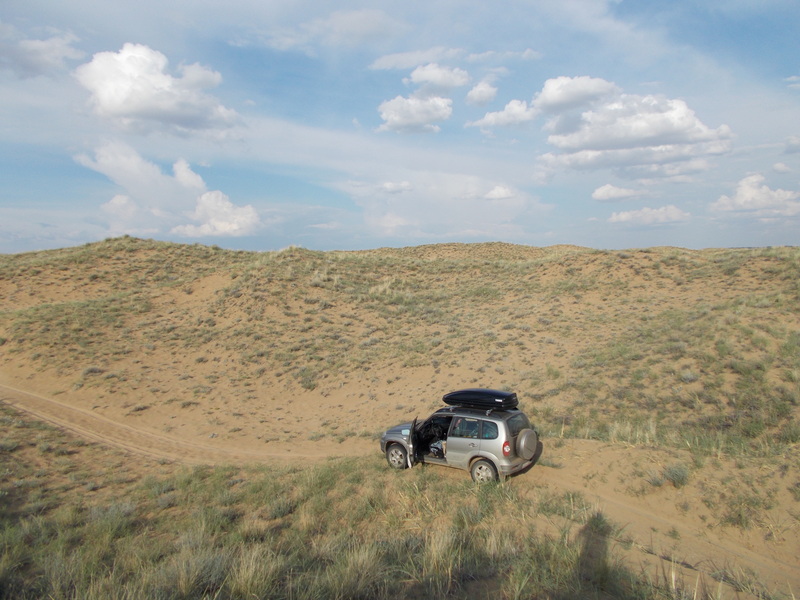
[{"x": 517, "y": 423}]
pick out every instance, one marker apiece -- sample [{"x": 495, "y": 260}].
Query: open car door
[{"x": 411, "y": 443}]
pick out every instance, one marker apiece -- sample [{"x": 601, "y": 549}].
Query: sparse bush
[{"x": 677, "y": 474}]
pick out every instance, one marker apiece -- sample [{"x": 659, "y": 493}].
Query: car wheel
[
  {"x": 396, "y": 456},
  {"x": 483, "y": 471},
  {"x": 527, "y": 443}
]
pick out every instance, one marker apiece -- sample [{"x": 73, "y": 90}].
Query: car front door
[
  {"x": 463, "y": 441},
  {"x": 411, "y": 443}
]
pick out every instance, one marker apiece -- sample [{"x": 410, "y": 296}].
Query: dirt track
[
  {"x": 148, "y": 443},
  {"x": 651, "y": 529}
]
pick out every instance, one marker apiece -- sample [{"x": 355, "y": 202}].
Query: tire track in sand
[{"x": 125, "y": 437}]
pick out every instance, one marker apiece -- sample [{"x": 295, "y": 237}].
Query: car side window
[
  {"x": 465, "y": 428},
  {"x": 489, "y": 430}
]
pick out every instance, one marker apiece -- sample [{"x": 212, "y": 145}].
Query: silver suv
[{"x": 481, "y": 431}]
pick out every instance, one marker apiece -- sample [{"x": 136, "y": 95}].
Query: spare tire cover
[{"x": 527, "y": 441}]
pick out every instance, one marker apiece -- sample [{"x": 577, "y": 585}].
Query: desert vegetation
[
  {"x": 664, "y": 379},
  {"x": 345, "y": 528}
]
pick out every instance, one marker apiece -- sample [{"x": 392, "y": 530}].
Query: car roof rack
[{"x": 481, "y": 398}]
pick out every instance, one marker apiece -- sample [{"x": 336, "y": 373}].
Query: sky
[{"x": 260, "y": 124}]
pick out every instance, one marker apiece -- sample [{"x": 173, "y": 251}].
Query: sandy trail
[
  {"x": 654, "y": 530},
  {"x": 658, "y": 531},
  {"x": 131, "y": 439}
]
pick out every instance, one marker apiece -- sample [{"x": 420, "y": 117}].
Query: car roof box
[{"x": 481, "y": 398}]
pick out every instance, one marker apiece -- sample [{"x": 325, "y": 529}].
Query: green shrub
[{"x": 677, "y": 474}]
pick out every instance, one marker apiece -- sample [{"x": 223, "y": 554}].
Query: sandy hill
[{"x": 632, "y": 363}]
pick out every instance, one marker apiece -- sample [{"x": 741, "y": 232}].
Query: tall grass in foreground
[{"x": 343, "y": 529}]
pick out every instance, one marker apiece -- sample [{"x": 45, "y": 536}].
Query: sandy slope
[
  {"x": 197, "y": 365},
  {"x": 665, "y": 531}
]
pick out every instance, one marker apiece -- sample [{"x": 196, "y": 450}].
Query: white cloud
[
  {"x": 142, "y": 179},
  {"x": 408, "y": 60},
  {"x": 32, "y": 57},
  {"x": 596, "y": 126},
  {"x": 793, "y": 82},
  {"x": 611, "y": 193},
  {"x": 481, "y": 94},
  {"x": 218, "y": 216},
  {"x": 558, "y": 95},
  {"x": 514, "y": 113},
  {"x": 133, "y": 89},
  {"x": 500, "y": 192},
  {"x": 153, "y": 201},
  {"x": 792, "y": 145},
  {"x": 396, "y": 187},
  {"x": 186, "y": 177},
  {"x": 651, "y": 216},
  {"x": 121, "y": 207},
  {"x": 782, "y": 168},
  {"x": 414, "y": 114},
  {"x": 630, "y": 121},
  {"x": 563, "y": 93},
  {"x": 439, "y": 77},
  {"x": 754, "y": 197}
]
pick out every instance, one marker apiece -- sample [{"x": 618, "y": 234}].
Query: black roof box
[{"x": 481, "y": 398}]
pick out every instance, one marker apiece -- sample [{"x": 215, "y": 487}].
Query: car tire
[
  {"x": 483, "y": 471},
  {"x": 397, "y": 457},
  {"x": 527, "y": 443}
]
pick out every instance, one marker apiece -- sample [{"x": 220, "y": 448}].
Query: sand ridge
[{"x": 203, "y": 356}]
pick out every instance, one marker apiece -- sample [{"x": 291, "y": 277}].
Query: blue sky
[{"x": 260, "y": 124}]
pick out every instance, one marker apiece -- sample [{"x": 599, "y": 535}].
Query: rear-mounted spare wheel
[{"x": 527, "y": 442}]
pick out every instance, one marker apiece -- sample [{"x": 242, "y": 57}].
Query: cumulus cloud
[
  {"x": 514, "y": 113},
  {"x": 563, "y": 93},
  {"x": 29, "y": 57},
  {"x": 612, "y": 193},
  {"x": 482, "y": 93},
  {"x": 594, "y": 125},
  {"x": 754, "y": 197},
  {"x": 439, "y": 77},
  {"x": 216, "y": 215},
  {"x": 154, "y": 201},
  {"x": 651, "y": 216},
  {"x": 414, "y": 114},
  {"x": 427, "y": 105},
  {"x": 133, "y": 89},
  {"x": 558, "y": 95},
  {"x": 630, "y": 121},
  {"x": 141, "y": 178},
  {"x": 186, "y": 177}
]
